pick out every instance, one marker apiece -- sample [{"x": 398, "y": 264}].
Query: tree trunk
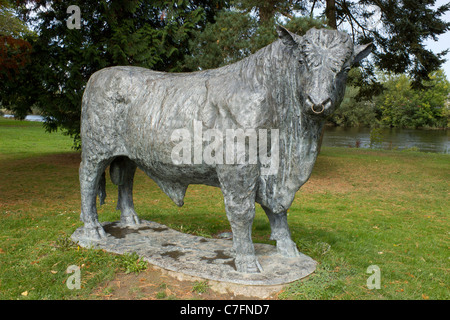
[
  {"x": 267, "y": 10},
  {"x": 330, "y": 13}
]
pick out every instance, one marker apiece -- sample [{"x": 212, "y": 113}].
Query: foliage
[
  {"x": 223, "y": 42},
  {"x": 353, "y": 112},
  {"x": 398, "y": 105},
  {"x": 397, "y": 29},
  {"x": 187, "y": 35},
  {"x": 14, "y": 55},
  {"x": 11, "y": 24},
  {"x": 200, "y": 286},
  {"x": 402, "y": 106},
  {"x": 376, "y": 137},
  {"x": 151, "y": 34},
  {"x": 131, "y": 262},
  {"x": 14, "y": 50},
  {"x": 238, "y": 32},
  {"x": 64, "y": 242}
]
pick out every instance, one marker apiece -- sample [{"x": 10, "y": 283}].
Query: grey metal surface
[{"x": 130, "y": 114}]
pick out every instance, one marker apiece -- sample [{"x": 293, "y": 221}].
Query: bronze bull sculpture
[{"x": 290, "y": 87}]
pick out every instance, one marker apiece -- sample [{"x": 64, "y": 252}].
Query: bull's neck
[
  {"x": 283, "y": 81},
  {"x": 300, "y": 133}
]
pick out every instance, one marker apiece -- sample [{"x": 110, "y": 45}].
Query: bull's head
[{"x": 325, "y": 57}]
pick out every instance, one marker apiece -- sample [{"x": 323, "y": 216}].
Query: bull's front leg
[
  {"x": 238, "y": 184},
  {"x": 281, "y": 233}
]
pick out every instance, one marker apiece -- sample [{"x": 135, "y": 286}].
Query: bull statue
[{"x": 129, "y": 116}]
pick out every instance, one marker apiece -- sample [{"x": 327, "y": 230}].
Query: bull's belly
[{"x": 182, "y": 174}]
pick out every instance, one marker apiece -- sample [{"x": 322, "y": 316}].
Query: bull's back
[
  {"x": 133, "y": 111},
  {"x": 108, "y": 96}
]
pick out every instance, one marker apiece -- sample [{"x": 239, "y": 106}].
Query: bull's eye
[{"x": 344, "y": 71}]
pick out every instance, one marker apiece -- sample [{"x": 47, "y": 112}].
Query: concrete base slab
[{"x": 196, "y": 256}]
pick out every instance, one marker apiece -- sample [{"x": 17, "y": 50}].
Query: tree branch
[
  {"x": 290, "y": 16},
  {"x": 330, "y": 13},
  {"x": 380, "y": 5},
  {"x": 351, "y": 17},
  {"x": 312, "y": 9}
]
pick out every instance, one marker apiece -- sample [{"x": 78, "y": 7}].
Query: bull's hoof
[
  {"x": 94, "y": 232},
  {"x": 247, "y": 264},
  {"x": 287, "y": 248},
  {"x": 130, "y": 220}
]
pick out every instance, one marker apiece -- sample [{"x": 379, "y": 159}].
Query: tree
[
  {"x": 185, "y": 35},
  {"x": 14, "y": 49},
  {"x": 151, "y": 34},
  {"x": 398, "y": 37},
  {"x": 244, "y": 28},
  {"x": 355, "y": 112},
  {"x": 403, "y": 106},
  {"x": 435, "y": 97},
  {"x": 397, "y": 28}
]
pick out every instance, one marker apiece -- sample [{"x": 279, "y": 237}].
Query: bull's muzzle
[{"x": 318, "y": 108}]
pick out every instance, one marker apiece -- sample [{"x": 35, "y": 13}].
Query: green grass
[
  {"x": 20, "y": 139},
  {"x": 360, "y": 208},
  {"x": 200, "y": 286}
]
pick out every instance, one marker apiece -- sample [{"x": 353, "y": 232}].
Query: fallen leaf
[
  {"x": 53, "y": 271},
  {"x": 25, "y": 293},
  {"x": 425, "y": 297},
  {"x": 1, "y": 250}
]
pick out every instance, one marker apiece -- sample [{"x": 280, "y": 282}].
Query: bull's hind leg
[
  {"x": 238, "y": 184},
  {"x": 122, "y": 172},
  {"x": 281, "y": 233},
  {"x": 90, "y": 175}
]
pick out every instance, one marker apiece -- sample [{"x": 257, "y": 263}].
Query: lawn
[{"x": 360, "y": 208}]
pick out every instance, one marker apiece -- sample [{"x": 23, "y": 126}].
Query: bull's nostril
[
  {"x": 318, "y": 108},
  {"x": 321, "y": 108}
]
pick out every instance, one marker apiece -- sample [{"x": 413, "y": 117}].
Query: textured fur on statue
[{"x": 288, "y": 88}]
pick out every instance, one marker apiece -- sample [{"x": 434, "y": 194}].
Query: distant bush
[
  {"x": 376, "y": 138},
  {"x": 401, "y": 106},
  {"x": 354, "y": 113}
]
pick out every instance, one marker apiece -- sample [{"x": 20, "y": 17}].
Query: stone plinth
[{"x": 197, "y": 256}]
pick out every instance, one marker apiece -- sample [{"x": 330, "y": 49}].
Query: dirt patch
[{"x": 158, "y": 284}]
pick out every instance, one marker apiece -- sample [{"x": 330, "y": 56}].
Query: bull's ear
[
  {"x": 286, "y": 37},
  {"x": 361, "y": 52}
]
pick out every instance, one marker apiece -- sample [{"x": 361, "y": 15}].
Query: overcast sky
[{"x": 443, "y": 42}]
